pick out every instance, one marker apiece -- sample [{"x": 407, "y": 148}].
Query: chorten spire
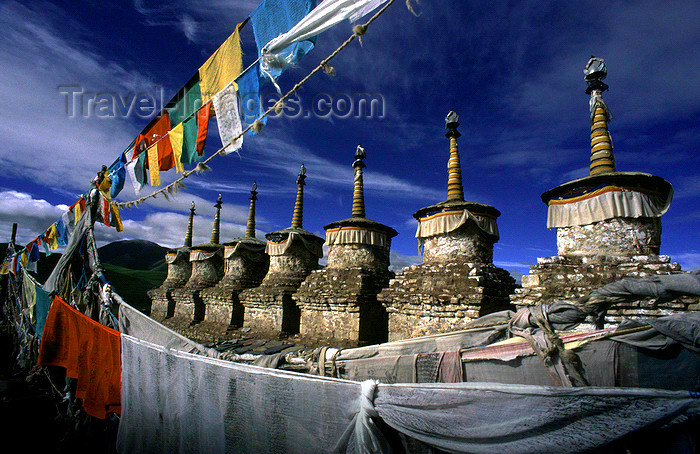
[
  {"x": 250, "y": 226},
  {"x": 188, "y": 235},
  {"x": 358, "y": 195},
  {"x": 454, "y": 171},
  {"x": 217, "y": 222},
  {"x": 602, "y": 156},
  {"x": 298, "y": 216}
]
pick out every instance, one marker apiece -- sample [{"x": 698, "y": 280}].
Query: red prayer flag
[{"x": 89, "y": 351}]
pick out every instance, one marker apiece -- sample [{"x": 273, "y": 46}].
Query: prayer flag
[
  {"x": 154, "y": 174},
  {"x": 185, "y": 113},
  {"x": 116, "y": 218},
  {"x": 222, "y": 67},
  {"x": 273, "y": 18},
  {"x": 176, "y": 140},
  {"x": 228, "y": 118},
  {"x": 249, "y": 91}
]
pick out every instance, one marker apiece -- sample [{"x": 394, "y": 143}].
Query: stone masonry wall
[
  {"x": 568, "y": 278},
  {"x": 466, "y": 244},
  {"x": 439, "y": 297},
  {"x": 340, "y": 304},
  {"x": 612, "y": 237}
]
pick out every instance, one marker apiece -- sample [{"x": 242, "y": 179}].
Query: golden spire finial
[
  {"x": 217, "y": 222},
  {"x": 188, "y": 235},
  {"x": 250, "y": 226},
  {"x": 602, "y": 156},
  {"x": 454, "y": 171},
  {"x": 358, "y": 195},
  {"x": 298, "y": 216}
]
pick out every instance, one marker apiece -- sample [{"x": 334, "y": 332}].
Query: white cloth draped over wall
[
  {"x": 606, "y": 203},
  {"x": 251, "y": 251},
  {"x": 448, "y": 221},
  {"x": 281, "y": 248},
  {"x": 171, "y": 257},
  {"x": 179, "y": 402},
  {"x": 199, "y": 255},
  {"x": 357, "y": 235}
]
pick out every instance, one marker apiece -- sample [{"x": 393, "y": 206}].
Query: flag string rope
[{"x": 358, "y": 31}]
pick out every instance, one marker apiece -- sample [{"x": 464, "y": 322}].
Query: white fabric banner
[
  {"x": 198, "y": 255},
  {"x": 137, "y": 324},
  {"x": 281, "y": 247},
  {"x": 606, "y": 203},
  {"x": 324, "y": 16},
  {"x": 251, "y": 251},
  {"x": 176, "y": 402},
  {"x": 448, "y": 221},
  {"x": 228, "y": 118},
  {"x": 173, "y": 256},
  {"x": 356, "y": 235}
]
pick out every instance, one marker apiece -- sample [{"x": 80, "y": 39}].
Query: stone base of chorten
[
  {"x": 567, "y": 278},
  {"x": 442, "y": 297},
  {"x": 340, "y": 305}
]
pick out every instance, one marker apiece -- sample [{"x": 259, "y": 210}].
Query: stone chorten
[
  {"x": 207, "y": 269},
  {"x": 608, "y": 224},
  {"x": 339, "y": 302},
  {"x": 245, "y": 266},
  {"x": 457, "y": 281},
  {"x": 294, "y": 254},
  {"x": 179, "y": 271}
]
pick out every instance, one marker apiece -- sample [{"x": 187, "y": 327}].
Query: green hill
[{"x": 132, "y": 285}]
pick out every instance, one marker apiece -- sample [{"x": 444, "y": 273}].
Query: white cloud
[{"x": 32, "y": 216}]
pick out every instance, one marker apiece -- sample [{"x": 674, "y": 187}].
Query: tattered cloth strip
[
  {"x": 90, "y": 353},
  {"x": 324, "y": 16},
  {"x": 448, "y": 221},
  {"x": 516, "y": 347},
  {"x": 251, "y": 251},
  {"x": 55, "y": 280},
  {"x": 281, "y": 248},
  {"x": 603, "y": 203},
  {"x": 135, "y": 323},
  {"x": 228, "y": 118},
  {"x": 487, "y": 417},
  {"x": 357, "y": 235},
  {"x": 179, "y": 402},
  {"x": 199, "y": 255},
  {"x": 29, "y": 295},
  {"x": 272, "y": 19}
]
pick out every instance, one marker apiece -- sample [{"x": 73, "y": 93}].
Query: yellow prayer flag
[
  {"x": 52, "y": 237},
  {"x": 222, "y": 67},
  {"x": 153, "y": 164},
  {"x": 105, "y": 186},
  {"x": 78, "y": 210},
  {"x": 176, "y": 136},
  {"x": 23, "y": 259},
  {"x": 116, "y": 218},
  {"x": 4, "y": 269}
]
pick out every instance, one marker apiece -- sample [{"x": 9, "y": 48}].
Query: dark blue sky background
[{"x": 513, "y": 71}]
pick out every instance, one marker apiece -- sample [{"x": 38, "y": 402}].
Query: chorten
[
  {"x": 179, "y": 271},
  {"x": 339, "y": 302},
  {"x": 294, "y": 254},
  {"x": 608, "y": 223},
  {"x": 207, "y": 270},
  {"x": 457, "y": 281},
  {"x": 245, "y": 266}
]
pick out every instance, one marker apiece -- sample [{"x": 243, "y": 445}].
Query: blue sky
[{"x": 513, "y": 71}]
